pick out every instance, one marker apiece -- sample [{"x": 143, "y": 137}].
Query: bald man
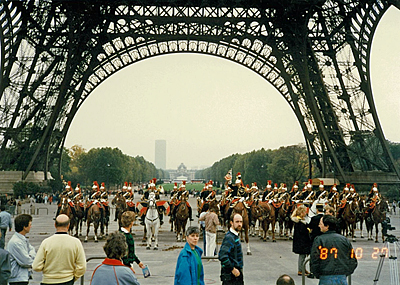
[{"x": 63, "y": 268}]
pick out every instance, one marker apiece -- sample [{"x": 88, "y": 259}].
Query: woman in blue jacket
[{"x": 189, "y": 269}]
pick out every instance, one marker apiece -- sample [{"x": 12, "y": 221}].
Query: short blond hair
[{"x": 127, "y": 218}]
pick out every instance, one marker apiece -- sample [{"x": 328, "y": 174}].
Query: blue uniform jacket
[{"x": 186, "y": 267}]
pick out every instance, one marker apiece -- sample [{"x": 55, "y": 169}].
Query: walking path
[{"x": 267, "y": 262}]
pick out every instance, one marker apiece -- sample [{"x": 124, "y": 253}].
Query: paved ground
[{"x": 267, "y": 262}]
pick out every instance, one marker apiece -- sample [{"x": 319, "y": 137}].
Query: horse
[
  {"x": 171, "y": 209},
  {"x": 241, "y": 209},
  {"x": 362, "y": 214},
  {"x": 267, "y": 217},
  {"x": 66, "y": 210},
  {"x": 284, "y": 212},
  {"x": 376, "y": 217},
  {"x": 94, "y": 216},
  {"x": 350, "y": 214},
  {"x": 106, "y": 216},
  {"x": 152, "y": 221},
  {"x": 255, "y": 214},
  {"x": 120, "y": 207},
  {"x": 182, "y": 215},
  {"x": 224, "y": 206},
  {"x": 80, "y": 213}
]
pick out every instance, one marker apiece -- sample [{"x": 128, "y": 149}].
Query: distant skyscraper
[{"x": 161, "y": 154}]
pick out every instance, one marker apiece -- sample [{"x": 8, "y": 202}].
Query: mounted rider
[
  {"x": 344, "y": 199},
  {"x": 174, "y": 189},
  {"x": 123, "y": 192},
  {"x": 353, "y": 194},
  {"x": 207, "y": 195},
  {"x": 333, "y": 196},
  {"x": 238, "y": 192},
  {"x": 374, "y": 198},
  {"x": 267, "y": 192},
  {"x": 104, "y": 200},
  {"x": 254, "y": 193},
  {"x": 128, "y": 195},
  {"x": 179, "y": 196},
  {"x": 78, "y": 197},
  {"x": 67, "y": 193},
  {"x": 309, "y": 195},
  {"x": 321, "y": 193},
  {"x": 94, "y": 198},
  {"x": 294, "y": 192},
  {"x": 151, "y": 188}
]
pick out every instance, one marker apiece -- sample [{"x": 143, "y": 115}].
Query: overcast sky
[{"x": 208, "y": 108}]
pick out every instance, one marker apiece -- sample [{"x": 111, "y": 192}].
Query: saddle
[
  {"x": 277, "y": 205},
  {"x": 237, "y": 200},
  {"x": 95, "y": 202},
  {"x": 179, "y": 201}
]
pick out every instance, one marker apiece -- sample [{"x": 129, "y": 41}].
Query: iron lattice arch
[{"x": 315, "y": 53}]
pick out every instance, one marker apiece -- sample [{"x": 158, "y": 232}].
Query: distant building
[
  {"x": 181, "y": 174},
  {"x": 161, "y": 154}
]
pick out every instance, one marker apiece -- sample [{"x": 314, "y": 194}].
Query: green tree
[{"x": 289, "y": 164}]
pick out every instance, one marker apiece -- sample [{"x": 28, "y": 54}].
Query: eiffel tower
[{"x": 316, "y": 53}]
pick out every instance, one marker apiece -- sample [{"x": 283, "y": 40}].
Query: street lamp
[{"x": 108, "y": 184}]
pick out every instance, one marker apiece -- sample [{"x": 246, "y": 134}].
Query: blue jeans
[{"x": 332, "y": 280}]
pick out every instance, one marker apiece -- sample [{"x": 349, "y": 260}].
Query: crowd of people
[{"x": 315, "y": 237}]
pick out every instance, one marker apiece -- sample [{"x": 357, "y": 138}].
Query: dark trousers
[
  {"x": 64, "y": 283},
  {"x": 228, "y": 278}
]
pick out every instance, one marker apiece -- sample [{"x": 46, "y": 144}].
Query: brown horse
[
  {"x": 241, "y": 209},
  {"x": 283, "y": 218},
  {"x": 182, "y": 215},
  {"x": 171, "y": 209},
  {"x": 377, "y": 216},
  {"x": 66, "y": 210},
  {"x": 94, "y": 216},
  {"x": 267, "y": 217},
  {"x": 80, "y": 213},
  {"x": 120, "y": 207},
  {"x": 350, "y": 214}
]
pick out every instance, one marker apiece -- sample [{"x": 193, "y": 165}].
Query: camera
[{"x": 386, "y": 226}]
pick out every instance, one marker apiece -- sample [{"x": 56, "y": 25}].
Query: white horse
[
  {"x": 152, "y": 221},
  {"x": 313, "y": 208}
]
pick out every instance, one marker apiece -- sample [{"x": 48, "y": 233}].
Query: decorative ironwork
[{"x": 315, "y": 53}]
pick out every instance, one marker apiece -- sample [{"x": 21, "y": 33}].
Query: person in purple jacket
[{"x": 112, "y": 271}]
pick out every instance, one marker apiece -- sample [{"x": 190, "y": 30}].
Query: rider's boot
[
  {"x": 85, "y": 215},
  {"x": 229, "y": 213},
  {"x": 190, "y": 214},
  {"x": 161, "y": 219},
  {"x": 252, "y": 223},
  {"x": 58, "y": 212},
  {"x": 74, "y": 212},
  {"x": 142, "y": 219},
  {"x": 173, "y": 214}
]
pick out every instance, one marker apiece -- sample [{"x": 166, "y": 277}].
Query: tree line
[
  {"x": 286, "y": 164},
  {"x": 109, "y": 165},
  {"x": 106, "y": 164}
]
